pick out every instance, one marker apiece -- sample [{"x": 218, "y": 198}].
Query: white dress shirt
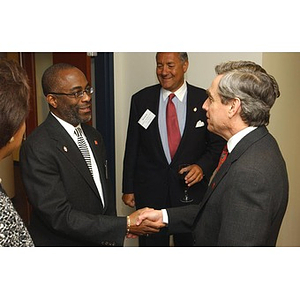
[{"x": 70, "y": 130}]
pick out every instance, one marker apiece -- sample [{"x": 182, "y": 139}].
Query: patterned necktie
[
  {"x": 223, "y": 157},
  {"x": 83, "y": 148},
  {"x": 172, "y": 126}
]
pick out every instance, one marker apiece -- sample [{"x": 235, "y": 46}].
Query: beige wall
[{"x": 285, "y": 125}]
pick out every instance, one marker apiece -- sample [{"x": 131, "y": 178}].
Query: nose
[
  {"x": 86, "y": 97},
  {"x": 205, "y": 104},
  {"x": 162, "y": 70}
]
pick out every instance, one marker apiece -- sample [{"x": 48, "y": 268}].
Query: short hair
[
  {"x": 183, "y": 56},
  {"x": 249, "y": 82},
  {"x": 14, "y": 99},
  {"x": 51, "y": 78}
]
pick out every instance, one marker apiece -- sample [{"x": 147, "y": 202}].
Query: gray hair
[
  {"x": 249, "y": 82},
  {"x": 183, "y": 56}
]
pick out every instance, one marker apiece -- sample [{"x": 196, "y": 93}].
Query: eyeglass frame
[{"x": 89, "y": 91}]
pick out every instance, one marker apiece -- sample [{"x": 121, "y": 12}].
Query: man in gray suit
[{"x": 247, "y": 196}]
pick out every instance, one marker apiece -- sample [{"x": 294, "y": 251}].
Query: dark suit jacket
[
  {"x": 67, "y": 208},
  {"x": 246, "y": 201},
  {"x": 146, "y": 171}
]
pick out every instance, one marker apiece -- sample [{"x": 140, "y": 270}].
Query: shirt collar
[
  {"x": 234, "y": 140},
  {"x": 67, "y": 126},
  {"x": 180, "y": 93}
]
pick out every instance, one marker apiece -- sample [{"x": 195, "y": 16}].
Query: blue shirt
[{"x": 179, "y": 101}]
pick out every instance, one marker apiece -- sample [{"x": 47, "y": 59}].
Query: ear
[
  {"x": 52, "y": 100},
  {"x": 185, "y": 66},
  {"x": 234, "y": 107}
]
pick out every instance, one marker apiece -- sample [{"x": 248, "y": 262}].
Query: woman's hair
[
  {"x": 14, "y": 99},
  {"x": 256, "y": 89}
]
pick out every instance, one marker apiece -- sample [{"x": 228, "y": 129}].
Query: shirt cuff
[{"x": 165, "y": 216}]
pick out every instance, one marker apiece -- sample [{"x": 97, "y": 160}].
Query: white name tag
[{"x": 146, "y": 118}]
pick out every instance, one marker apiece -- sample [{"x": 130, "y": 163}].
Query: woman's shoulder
[{"x": 13, "y": 232}]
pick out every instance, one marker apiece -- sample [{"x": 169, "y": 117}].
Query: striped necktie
[{"x": 83, "y": 148}]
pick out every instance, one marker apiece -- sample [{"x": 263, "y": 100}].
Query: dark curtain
[{"x": 105, "y": 119}]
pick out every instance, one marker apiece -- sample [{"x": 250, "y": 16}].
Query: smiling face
[
  {"x": 71, "y": 109},
  {"x": 170, "y": 70}
]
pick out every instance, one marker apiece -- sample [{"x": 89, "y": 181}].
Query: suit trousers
[{"x": 162, "y": 239}]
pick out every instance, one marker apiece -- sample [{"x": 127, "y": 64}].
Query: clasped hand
[{"x": 145, "y": 221}]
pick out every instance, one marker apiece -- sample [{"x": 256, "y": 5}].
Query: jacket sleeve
[{"x": 182, "y": 219}]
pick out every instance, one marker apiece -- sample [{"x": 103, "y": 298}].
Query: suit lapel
[
  {"x": 153, "y": 106},
  {"x": 95, "y": 147},
  {"x": 69, "y": 149},
  {"x": 237, "y": 152}
]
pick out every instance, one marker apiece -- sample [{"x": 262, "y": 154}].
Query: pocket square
[{"x": 200, "y": 124}]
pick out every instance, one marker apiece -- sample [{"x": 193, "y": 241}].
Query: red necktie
[
  {"x": 223, "y": 157},
  {"x": 172, "y": 126}
]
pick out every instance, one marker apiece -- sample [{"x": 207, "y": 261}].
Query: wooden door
[{"x": 77, "y": 59}]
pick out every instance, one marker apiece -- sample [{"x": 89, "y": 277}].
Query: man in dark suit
[
  {"x": 247, "y": 197},
  {"x": 150, "y": 173},
  {"x": 69, "y": 190}
]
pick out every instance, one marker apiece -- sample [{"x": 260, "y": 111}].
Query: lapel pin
[
  {"x": 195, "y": 109},
  {"x": 65, "y": 148},
  {"x": 96, "y": 142}
]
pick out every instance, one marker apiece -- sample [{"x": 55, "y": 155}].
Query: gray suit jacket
[
  {"x": 246, "y": 201},
  {"x": 67, "y": 209}
]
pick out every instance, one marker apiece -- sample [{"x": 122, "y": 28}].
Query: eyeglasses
[{"x": 89, "y": 91}]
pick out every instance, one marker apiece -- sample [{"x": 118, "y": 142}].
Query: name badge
[{"x": 146, "y": 119}]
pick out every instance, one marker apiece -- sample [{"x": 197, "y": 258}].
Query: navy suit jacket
[
  {"x": 67, "y": 208},
  {"x": 246, "y": 200},
  {"x": 146, "y": 171}
]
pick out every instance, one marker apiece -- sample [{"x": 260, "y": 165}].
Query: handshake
[{"x": 144, "y": 221}]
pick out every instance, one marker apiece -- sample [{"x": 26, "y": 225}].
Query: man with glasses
[{"x": 64, "y": 169}]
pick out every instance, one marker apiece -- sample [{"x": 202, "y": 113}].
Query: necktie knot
[
  {"x": 78, "y": 131},
  {"x": 171, "y": 96}
]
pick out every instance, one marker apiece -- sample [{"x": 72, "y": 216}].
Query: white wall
[{"x": 134, "y": 71}]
